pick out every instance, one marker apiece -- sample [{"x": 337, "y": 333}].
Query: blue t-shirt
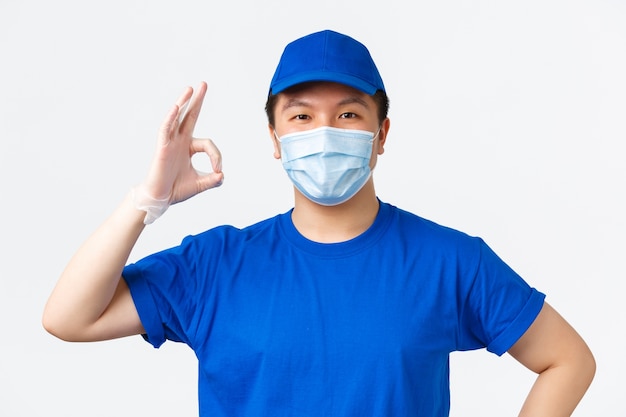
[{"x": 284, "y": 326}]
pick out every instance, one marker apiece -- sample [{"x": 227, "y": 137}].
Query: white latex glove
[{"x": 172, "y": 177}]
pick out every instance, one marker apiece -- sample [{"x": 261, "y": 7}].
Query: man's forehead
[{"x": 309, "y": 94}]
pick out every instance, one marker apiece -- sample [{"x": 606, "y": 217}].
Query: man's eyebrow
[
  {"x": 295, "y": 102},
  {"x": 354, "y": 99}
]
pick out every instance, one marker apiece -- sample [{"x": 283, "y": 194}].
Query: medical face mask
[{"x": 328, "y": 165}]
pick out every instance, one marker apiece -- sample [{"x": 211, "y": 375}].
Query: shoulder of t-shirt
[
  {"x": 412, "y": 221},
  {"x": 228, "y": 231}
]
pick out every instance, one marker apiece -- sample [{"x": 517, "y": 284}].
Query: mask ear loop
[
  {"x": 373, "y": 139},
  {"x": 377, "y": 132}
]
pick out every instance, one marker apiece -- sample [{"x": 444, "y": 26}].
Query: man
[{"x": 344, "y": 305}]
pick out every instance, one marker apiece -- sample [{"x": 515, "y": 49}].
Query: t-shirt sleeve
[
  {"x": 499, "y": 307},
  {"x": 145, "y": 305},
  {"x": 164, "y": 288}
]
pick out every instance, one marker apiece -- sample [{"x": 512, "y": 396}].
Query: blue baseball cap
[{"x": 327, "y": 56}]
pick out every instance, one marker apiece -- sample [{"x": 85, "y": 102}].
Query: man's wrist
[{"x": 153, "y": 207}]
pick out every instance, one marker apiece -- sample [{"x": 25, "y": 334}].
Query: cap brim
[{"x": 328, "y": 76}]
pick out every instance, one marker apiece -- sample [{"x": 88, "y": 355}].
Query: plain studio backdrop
[{"x": 508, "y": 122}]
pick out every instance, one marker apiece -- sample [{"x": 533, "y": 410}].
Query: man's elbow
[
  {"x": 587, "y": 365},
  {"x": 59, "y": 327},
  {"x": 581, "y": 365}
]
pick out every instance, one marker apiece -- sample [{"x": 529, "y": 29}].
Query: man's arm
[
  {"x": 562, "y": 360},
  {"x": 90, "y": 301}
]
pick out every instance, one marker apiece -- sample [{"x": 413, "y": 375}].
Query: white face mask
[{"x": 328, "y": 165}]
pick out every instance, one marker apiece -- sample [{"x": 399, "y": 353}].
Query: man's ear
[
  {"x": 275, "y": 141},
  {"x": 382, "y": 135}
]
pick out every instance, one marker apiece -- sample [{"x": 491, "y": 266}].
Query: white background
[{"x": 508, "y": 122}]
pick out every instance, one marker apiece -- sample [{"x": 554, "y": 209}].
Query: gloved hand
[{"x": 172, "y": 177}]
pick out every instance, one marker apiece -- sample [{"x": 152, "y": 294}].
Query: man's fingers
[
  {"x": 181, "y": 111},
  {"x": 208, "y": 147},
  {"x": 210, "y": 180},
  {"x": 167, "y": 127},
  {"x": 184, "y": 97},
  {"x": 173, "y": 117},
  {"x": 189, "y": 120},
  {"x": 183, "y": 101}
]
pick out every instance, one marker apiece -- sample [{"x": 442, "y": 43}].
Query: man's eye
[
  {"x": 302, "y": 117},
  {"x": 347, "y": 115}
]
